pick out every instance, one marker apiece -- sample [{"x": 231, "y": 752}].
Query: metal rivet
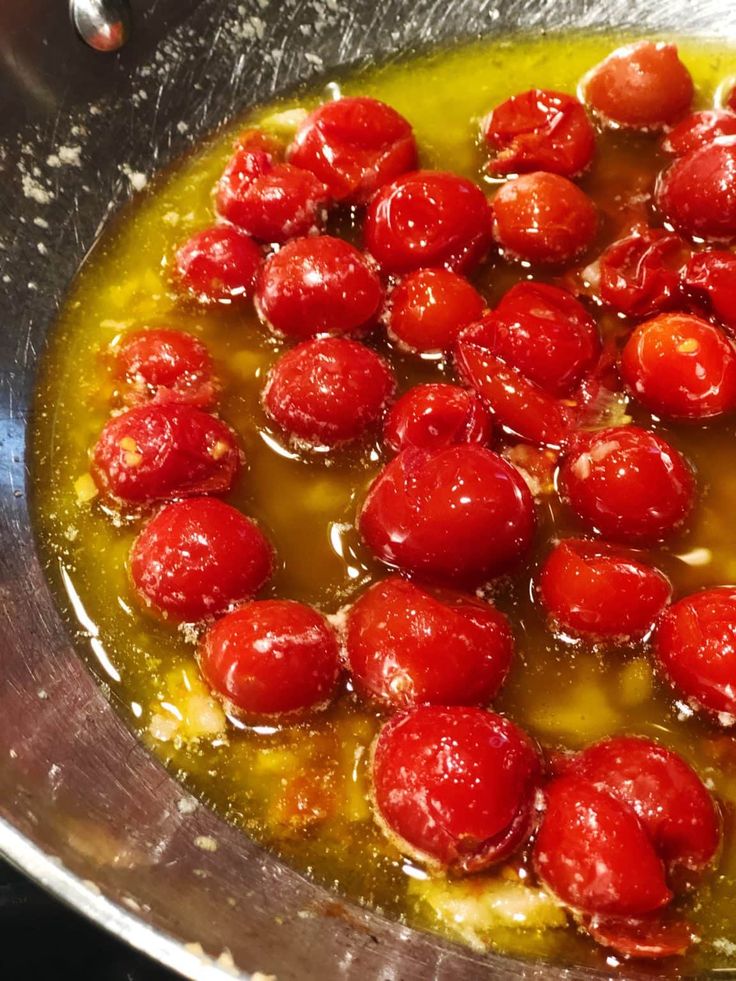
[{"x": 102, "y": 24}]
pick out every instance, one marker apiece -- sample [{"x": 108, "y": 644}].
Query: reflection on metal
[{"x": 102, "y": 24}]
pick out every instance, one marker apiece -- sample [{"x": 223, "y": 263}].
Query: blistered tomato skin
[
  {"x": 436, "y": 415},
  {"x": 697, "y": 130},
  {"x": 681, "y": 367},
  {"x": 318, "y": 285},
  {"x": 197, "y": 557},
  {"x": 154, "y": 452},
  {"x": 455, "y": 786},
  {"x": 709, "y": 280},
  {"x": 672, "y": 803},
  {"x": 594, "y": 854},
  {"x": 270, "y": 658},
  {"x": 429, "y": 308},
  {"x": 461, "y": 514},
  {"x": 218, "y": 265},
  {"x": 407, "y": 645},
  {"x": 539, "y": 130},
  {"x": 695, "y": 643},
  {"x": 428, "y": 218},
  {"x": 354, "y": 146},
  {"x": 641, "y": 86},
  {"x": 697, "y": 193},
  {"x": 599, "y": 591},
  {"x": 648, "y": 938},
  {"x": 639, "y": 275},
  {"x": 164, "y": 366},
  {"x": 328, "y": 391},
  {"x": 627, "y": 484},
  {"x": 543, "y": 218}
]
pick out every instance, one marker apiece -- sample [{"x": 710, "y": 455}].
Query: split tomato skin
[
  {"x": 593, "y": 854},
  {"x": 695, "y": 644},
  {"x": 354, "y": 146},
  {"x": 709, "y": 280},
  {"x": 160, "y": 451},
  {"x": 271, "y": 658},
  {"x": 639, "y": 275},
  {"x": 436, "y": 415},
  {"x": 460, "y": 514},
  {"x": 602, "y": 592},
  {"x": 697, "y": 193},
  {"x": 681, "y": 367},
  {"x": 197, "y": 557},
  {"x": 410, "y": 645},
  {"x": 539, "y": 130},
  {"x": 319, "y": 285},
  {"x": 429, "y": 308},
  {"x": 627, "y": 484},
  {"x": 218, "y": 265},
  {"x": 455, "y": 786},
  {"x": 699, "y": 129},
  {"x": 164, "y": 366}
]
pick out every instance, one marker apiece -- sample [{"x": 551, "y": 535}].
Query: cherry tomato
[
  {"x": 219, "y": 265},
  {"x": 651, "y": 937},
  {"x": 407, "y": 645},
  {"x": 268, "y": 199},
  {"x": 642, "y": 85},
  {"x": 697, "y": 193},
  {"x": 155, "y": 452},
  {"x": 271, "y": 657},
  {"x": 455, "y": 786},
  {"x": 318, "y": 286},
  {"x": 522, "y": 408},
  {"x": 627, "y": 484},
  {"x": 164, "y": 366},
  {"x": 540, "y": 130},
  {"x": 681, "y": 367},
  {"x": 593, "y": 853},
  {"x": 709, "y": 279},
  {"x": 328, "y": 391},
  {"x": 429, "y": 308},
  {"x": 428, "y": 218},
  {"x": 695, "y": 642},
  {"x": 640, "y": 273},
  {"x": 599, "y": 591},
  {"x": 354, "y": 146},
  {"x": 697, "y": 130},
  {"x": 197, "y": 557},
  {"x": 461, "y": 513},
  {"x": 672, "y": 803},
  {"x": 436, "y": 415},
  {"x": 543, "y": 218}
]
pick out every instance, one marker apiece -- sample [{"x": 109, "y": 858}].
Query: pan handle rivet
[{"x": 102, "y": 24}]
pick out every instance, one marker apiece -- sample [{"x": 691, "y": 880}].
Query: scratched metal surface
[{"x": 83, "y": 807}]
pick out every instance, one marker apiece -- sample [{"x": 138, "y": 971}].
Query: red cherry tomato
[
  {"x": 695, "y": 642},
  {"x": 642, "y": 85},
  {"x": 354, "y": 146},
  {"x": 155, "y": 452},
  {"x": 219, "y": 265},
  {"x": 408, "y": 646},
  {"x": 640, "y": 274},
  {"x": 197, "y": 557},
  {"x": 543, "y": 218},
  {"x": 428, "y": 218},
  {"x": 436, "y": 415},
  {"x": 627, "y": 484},
  {"x": 697, "y": 193},
  {"x": 540, "y": 130},
  {"x": 165, "y": 366},
  {"x": 318, "y": 286},
  {"x": 593, "y": 853},
  {"x": 671, "y": 801},
  {"x": 271, "y": 657},
  {"x": 461, "y": 513},
  {"x": 650, "y": 938},
  {"x": 596, "y": 590},
  {"x": 697, "y": 130},
  {"x": 268, "y": 199},
  {"x": 521, "y": 407},
  {"x": 328, "y": 391},
  {"x": 455, "y": 785},
  {"x": 681, "y": 367},
  {"x": 709, "y": 279},
  {"x": 430, "y": 307}
]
